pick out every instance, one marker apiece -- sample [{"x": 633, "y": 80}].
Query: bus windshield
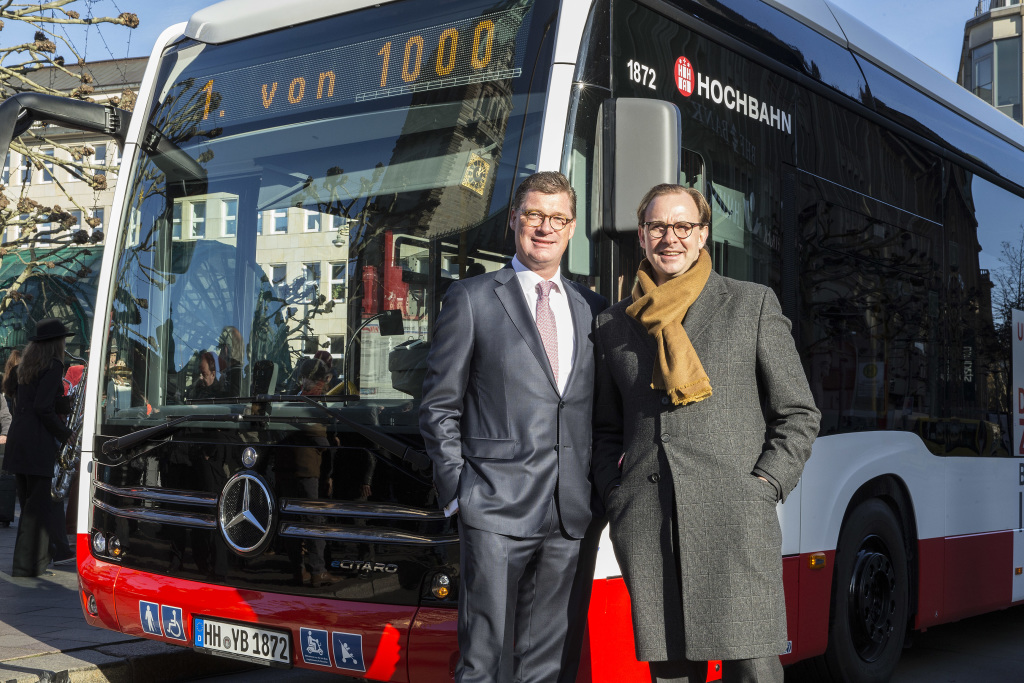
[{"x": 305, "y": 197}]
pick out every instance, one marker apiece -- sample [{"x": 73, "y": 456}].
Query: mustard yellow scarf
[{"x": 661, "y": 310}]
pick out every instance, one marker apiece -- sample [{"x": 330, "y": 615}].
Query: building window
[
  {"x": 259, "y": 222},
  {"x": 278, "y": 273},
  {"x": 311, "y": 344},
  {"x": 176, "y": 221},
  {"x": 996, "y": 75},
  {"x": 44, "y": 231},
  {"x": 338, "y": 281},
  {"x": 280, "y": 220},
  {"x": 6, "y": 178},
  {"x": 312, "y": 221},
  {"x": 26, "y": 170},
  {"x": 337, "y": 345},
  {"x": 99, "y": 158},
  {"x": 46, "y": 175},
  {"x": 230, "y": 217},
  {"x": 97, "y": 213},
  {"x": 198, "y": 223},
  {"x": 77, "y": 215},
  {"x": 311, "y": 271}
]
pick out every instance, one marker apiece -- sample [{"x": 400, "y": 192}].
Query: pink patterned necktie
[{"x": 546, "y": 324}]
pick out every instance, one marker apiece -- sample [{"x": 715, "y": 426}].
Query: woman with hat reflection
[{"x": 34, "y": 440}]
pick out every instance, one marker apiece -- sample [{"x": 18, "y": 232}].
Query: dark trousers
[
  {"x": 761, "y": 670},
  {"x": 515, "y": 604},
  {"x": 31, "y": 548},
  {"x": 56, "y": 526},
  {"x": 303, "y": 487}
]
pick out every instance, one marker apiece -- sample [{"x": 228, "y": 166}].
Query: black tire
[{"x": 870, "y": 598}]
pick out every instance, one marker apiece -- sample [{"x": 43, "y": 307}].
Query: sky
[{"x": 931, "y": 30}]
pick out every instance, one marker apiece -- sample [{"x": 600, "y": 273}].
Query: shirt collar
[{"x": 530, "y": 278}]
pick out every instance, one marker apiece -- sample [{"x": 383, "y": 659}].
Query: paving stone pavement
[{"x": 44, "y": 636}]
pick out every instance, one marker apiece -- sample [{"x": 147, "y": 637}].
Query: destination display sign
[{"x": 479, "y": 49}]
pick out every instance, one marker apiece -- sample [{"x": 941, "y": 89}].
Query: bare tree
[{"x": 28, "y": 250}]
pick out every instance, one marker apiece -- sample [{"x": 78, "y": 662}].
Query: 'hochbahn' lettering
[
  {"x": 741, "y": 102},
  {"x": 733, "y": 98}
]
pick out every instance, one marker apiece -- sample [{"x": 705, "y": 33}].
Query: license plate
[{"x": 242, "y": 641}]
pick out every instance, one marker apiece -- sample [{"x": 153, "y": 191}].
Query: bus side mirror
[
  {"x": 19, "y": 112},
  {"x": 641, "y": 148},
  {"x": 390, "y": 323}
]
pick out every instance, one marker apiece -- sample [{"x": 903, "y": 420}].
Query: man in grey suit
[
  {"x": 506, "y": 417},
  {"x": 703, "y": 421}
]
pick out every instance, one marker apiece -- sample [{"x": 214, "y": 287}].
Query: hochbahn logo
[{"x": 687, "y": 79}]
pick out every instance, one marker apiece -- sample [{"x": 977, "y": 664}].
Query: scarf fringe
[{"x": 685, "y": 396}]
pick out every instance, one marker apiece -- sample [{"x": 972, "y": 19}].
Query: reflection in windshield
[{"x": 314, "y": 231}]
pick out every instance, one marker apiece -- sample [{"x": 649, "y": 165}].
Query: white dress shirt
[{"x": 559, "y": 300}]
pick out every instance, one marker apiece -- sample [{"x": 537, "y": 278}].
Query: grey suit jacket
[
  {"x": 501, "y": 437},
  {"x": 695, "y": 531}
]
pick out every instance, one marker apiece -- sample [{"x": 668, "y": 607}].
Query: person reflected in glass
[
  {"x": 297, "y": 472},
  {"x": 231, "y": 354},
  {"x": 205, "y": 385}
]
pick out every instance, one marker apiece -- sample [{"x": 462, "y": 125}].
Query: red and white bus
[{"x": 309, "y": 177}]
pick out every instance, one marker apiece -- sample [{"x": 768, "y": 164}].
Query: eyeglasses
[
  {"x": 535, "y": 219},
  {"x": 682, "y": 229}
]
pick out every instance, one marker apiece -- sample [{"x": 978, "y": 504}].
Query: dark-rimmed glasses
[
  {"x": 535, "y": 219},
  {"x": 682, "y": 229}
]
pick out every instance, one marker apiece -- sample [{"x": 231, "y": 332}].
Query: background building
[
  {"x": 990, "y": 61},
  {"x": 55, "y": 186}
]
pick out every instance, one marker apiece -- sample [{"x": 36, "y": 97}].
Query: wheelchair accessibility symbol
[
  {"x": 170, "y": 619},
  {"x": 314, "y": 646}
]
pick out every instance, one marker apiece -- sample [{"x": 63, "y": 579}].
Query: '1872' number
[{"x": 641, "y": 73}]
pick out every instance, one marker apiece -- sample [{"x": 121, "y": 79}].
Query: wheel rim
[{"x": 872, "y": 599}]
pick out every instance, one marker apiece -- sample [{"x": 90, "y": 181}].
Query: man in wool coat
[{"x": 703, "y": 420}]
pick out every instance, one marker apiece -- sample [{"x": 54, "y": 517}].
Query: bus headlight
[{"x": 99, "y": 542}]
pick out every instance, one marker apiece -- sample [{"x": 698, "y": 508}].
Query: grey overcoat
[{"x": 695, "y": 531}]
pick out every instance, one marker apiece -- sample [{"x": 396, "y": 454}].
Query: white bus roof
[{"x": 233, "y": 19}]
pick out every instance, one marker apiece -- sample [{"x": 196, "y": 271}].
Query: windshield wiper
[
  {"x": 123, "y": 443},
  {"x": 417, "y": 458}
]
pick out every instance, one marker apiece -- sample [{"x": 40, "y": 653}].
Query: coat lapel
[
  {"x": 702, "y": 311},
  {"x": 510, "y": 293}
]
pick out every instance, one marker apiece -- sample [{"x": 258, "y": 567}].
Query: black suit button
[
  {"x": 665, "y": 400},
  {"x": 561, "y": 404},
  {"x": 654, "y": 478}
]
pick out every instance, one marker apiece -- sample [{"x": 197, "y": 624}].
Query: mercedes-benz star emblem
[
  {"x": 246, "y": 513},
  {"x": 249, "y": 457}
]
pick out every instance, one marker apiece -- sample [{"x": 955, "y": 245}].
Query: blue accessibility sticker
[
  {"x": 348, "y": 651},
  {"x": 170, "y": 618},
  {"x": 315, "y": 648},
  {"x": 149, "y": 615}
]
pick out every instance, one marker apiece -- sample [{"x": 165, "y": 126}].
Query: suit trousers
[
  {"x": 515, "y": 604},
  {"x": 31, "y": 547},
  {"x": 760, "y": 670}
]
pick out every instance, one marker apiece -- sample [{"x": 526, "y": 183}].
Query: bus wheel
[{"x": 870, "y": 597}]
